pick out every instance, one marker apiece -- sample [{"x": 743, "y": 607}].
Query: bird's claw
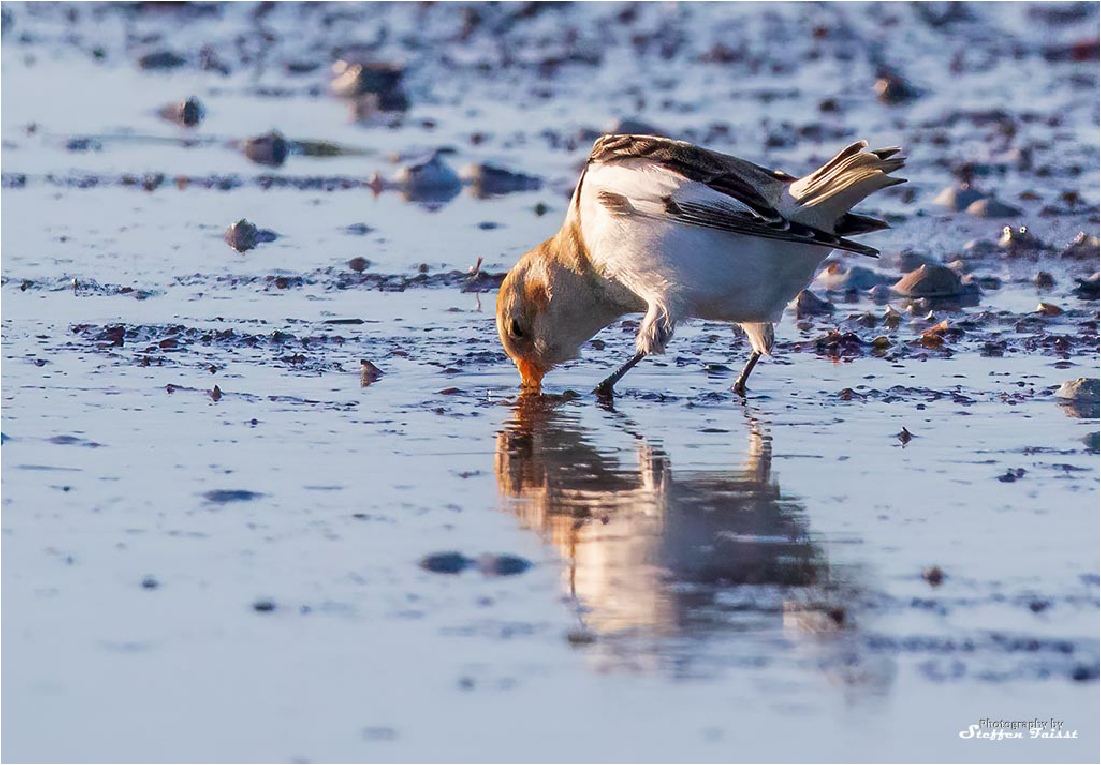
[{"x": 604, "y": 390}]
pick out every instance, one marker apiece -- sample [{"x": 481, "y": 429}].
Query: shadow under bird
[{"x": 676, "y": 231}]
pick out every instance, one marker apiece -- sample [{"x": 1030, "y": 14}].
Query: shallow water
[{"x": 217, "y": 540}]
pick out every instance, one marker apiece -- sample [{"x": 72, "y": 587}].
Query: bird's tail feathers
[{"x": 826, "y": 195}]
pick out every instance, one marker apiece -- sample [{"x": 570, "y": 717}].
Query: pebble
[
  {"x": 930, "y": 281},
  {"x": 368, "y": 372},
  {"x": 242, "y": 235},
  {"x": 445, "y": 563},
  {"x": 959, "y": 198},
  {"x": 224, "y": 496},
  {"x": 933, "y": 575},
  {"x": 381, "y": 82},
  {"x": 880, "y": 294},
  {"x": 891, "y": 88},
  {"x": 359, "y": 265},
  {"x": 164, "y": 59},
  {"x": 809, "y": 304},
  {"x": 1082, "y": 389},
  {"x": 264, "y": 605},
  {"x": 1084, "y": 247},
  {"x": 188, "y": 113},
  {"x": 1019, "y": 240},
  {"x": 1048, "y": 309},
  {"x": 430, "y": 179},
  {"x": 992, "y": 208},
  {"x": 268, "y": 149},
  {"x": 1088, "y": 288},
  {"x": 1081, "y": 397},
  {"x": 1044, "y": 280},
  {"x": 837, "y": 277}
]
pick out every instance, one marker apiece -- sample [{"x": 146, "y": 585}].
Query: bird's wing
[{"x": 683, "y": 183}]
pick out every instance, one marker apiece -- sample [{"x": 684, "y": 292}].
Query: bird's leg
[
  {"x": 739, "y": 384},
  {"x": 604, "y": 390}
]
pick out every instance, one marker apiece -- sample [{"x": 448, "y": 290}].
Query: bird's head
[
  {"x": 545, "y": 311},
  {"x": 525, "y": 326}
]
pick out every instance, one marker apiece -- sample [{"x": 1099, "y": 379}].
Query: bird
[{"x": 676, "y": 231}]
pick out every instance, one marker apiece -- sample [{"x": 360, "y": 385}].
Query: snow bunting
[{"x": 676, "y": 231}]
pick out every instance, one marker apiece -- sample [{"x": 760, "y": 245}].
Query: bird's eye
[{"x": 514, "y": 330}]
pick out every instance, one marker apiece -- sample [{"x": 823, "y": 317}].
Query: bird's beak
[{"x": 531, "y": 375}]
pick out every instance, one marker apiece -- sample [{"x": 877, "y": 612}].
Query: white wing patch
[
  {"x": 641, "y": 189},
  {"x": 648, "y": 187}
]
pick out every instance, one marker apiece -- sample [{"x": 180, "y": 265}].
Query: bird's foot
[{"x": 605, "y": 389}]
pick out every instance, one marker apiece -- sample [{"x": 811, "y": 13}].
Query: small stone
[
  {"x": 1084, "y": 247},
  {"x": 1092, "y": 442},
  {"x": 1019, "y": 240},
  {"x": 242, "y": 235},
  {"x": 809, "y": 304},
  {"x": 1082, "y": 389},
  {"x": 959, "y": 198},
  {"x": 1083, "y": 673},
  {"x": 445, "y": 563},
  {"x": 368, "y": 373},
  {"x": 836, "y": 277},
  {"x": 933, "y": 575},
  {"x": 930, "y": 281},
  {"x": 359, "y": 265},
  {"x": 264, "y": 605},
  {"x": 268, "y": 149},
  {"x": 1044, "y": 280},
  {"x": 164, "y": 59},
  {"x": 429, "y": 180},
  {"x": 188, "y": 113},
  {"x": 1089, "y": 288},
  {"x": 150, "y": 583},
  {"x": 880, "y": 294},
  {"x": 1049, "y": 310},
  {"x": 992, "y": 208},
  {"x": 905, "y": 436},
  {"x": 354, "y": 76},
  {"x": 891, "y": 88}
]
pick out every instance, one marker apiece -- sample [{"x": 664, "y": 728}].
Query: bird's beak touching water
[{"x": 531, "y": 375}]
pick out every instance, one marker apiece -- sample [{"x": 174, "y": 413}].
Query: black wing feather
[{"x": 736, "y": 178}]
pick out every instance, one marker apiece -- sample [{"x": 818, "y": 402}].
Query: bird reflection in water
[{"x": 660, "y": 562}]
